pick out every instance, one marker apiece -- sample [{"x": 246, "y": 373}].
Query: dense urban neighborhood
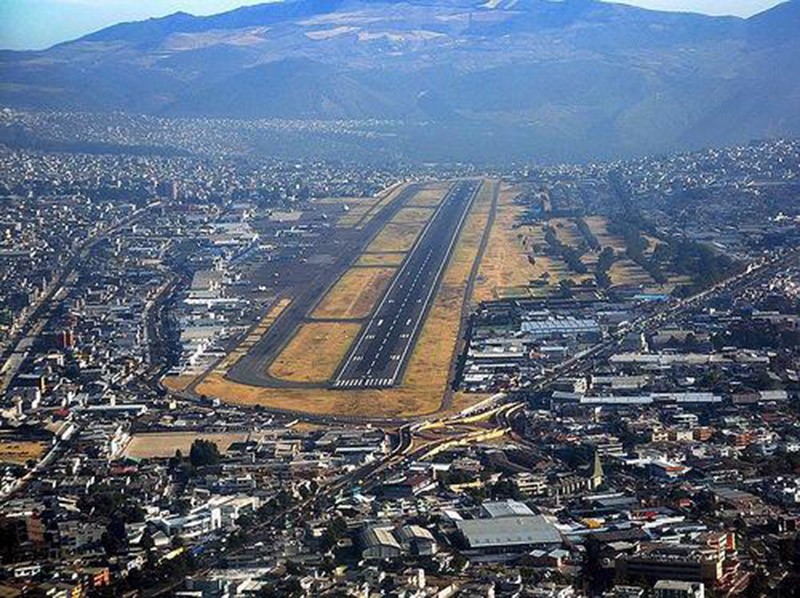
[{"x": 615, "y": 409}]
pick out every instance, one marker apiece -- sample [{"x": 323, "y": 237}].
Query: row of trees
[
  {"x": 705, "y": 266},
  {"x": 630, "y": 229},
  {"x": 572, "y": 256},
  {"x": 605, "y": 260},
  {"x": 588, "y": 236},
  {"x": 569, "y": 254},
  {"x": 689, "y": 258}
]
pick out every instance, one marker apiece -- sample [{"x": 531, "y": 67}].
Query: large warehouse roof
[
  {"x": 508, "y": 531},
  {"x": 569, "y": 325}
]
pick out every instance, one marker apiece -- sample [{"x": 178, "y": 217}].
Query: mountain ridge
[{"x": 602, "y": 79}]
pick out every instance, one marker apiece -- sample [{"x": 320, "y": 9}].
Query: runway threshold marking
[{"x": 354, "y": 355}]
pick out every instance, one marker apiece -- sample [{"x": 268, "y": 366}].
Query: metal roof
[
  {"x": 379, "y": 536},
  {"x": 506, "y": 508},
  {"x": 509, "y": 531}
]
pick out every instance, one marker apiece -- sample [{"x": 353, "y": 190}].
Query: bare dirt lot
[
  {"x": 164, "y": 445},
  {"x": 19, "y": 452}
]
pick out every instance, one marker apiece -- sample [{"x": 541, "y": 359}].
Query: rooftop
[{"x": 509, "y": 531}]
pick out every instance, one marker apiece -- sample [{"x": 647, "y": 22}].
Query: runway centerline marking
[{"x": 417, "y": 267}]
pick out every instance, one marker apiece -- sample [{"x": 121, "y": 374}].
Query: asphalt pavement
[{"x": 379, "y": 356}]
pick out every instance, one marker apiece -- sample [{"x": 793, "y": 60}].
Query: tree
[
  {"x": 111, "y": 544},
  {"x": 588, "y": 235},
  {"x": 336, "y": 530},
  {"x": 604, "y": 263},
  {"x": 459, "y": 562},
  {"x": 203, "y": 453},
  {"x": 759, "y": 585},
  {"x": 246, "y": 520},
  {"x": 147, "y": 541},
  {"x": 505, "y": 489}
]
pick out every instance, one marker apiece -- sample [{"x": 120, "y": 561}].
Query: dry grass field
[
  {"x": 311, "y": 400},
  {"x": 506, "y": 270},
  {"x": 590, "y": 259},
  {"x": 399, "y": 235},
  {"x": 314, "y": 352},
  {"x": 177, "y": 383},
  {"x": 413, "y": 215},
  {"x": 362, "y": 209},
  {"x": 355, "y": 214},
  {"x": 566, "y": 231},
  {"x": 396, "y": 238},
  {"x": 551, "y": 269},
  {"x": 386, "y": 198},
  {"x": 425, "y": 381},
  {"x": 463, "y": 400},
  {"x": 628, "y": 272},
  {"x": 164, "y": 444},
  {"x": 599, "y": 226},
  {"x": 19, "y": 452},
  {"x": 380, "y": 259},
  {"x": 429, "y": 367},
  {"x": 505, "y": 262},
  {"x": 430, "y": 196},
  {"x": 355, "y": 294},
  {"x": 625, "y": 271}
]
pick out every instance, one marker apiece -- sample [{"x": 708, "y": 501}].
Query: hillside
[{"x": 573, "y": 79}]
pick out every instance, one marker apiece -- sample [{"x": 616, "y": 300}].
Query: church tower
[{"x": 596, "y": 479}]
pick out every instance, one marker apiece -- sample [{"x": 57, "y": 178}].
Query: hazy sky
[{"x": 29, "y": 24}]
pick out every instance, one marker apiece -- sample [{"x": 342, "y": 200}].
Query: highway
[{"x": 379, "y": 356}]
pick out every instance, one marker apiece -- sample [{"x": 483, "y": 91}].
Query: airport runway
[
  {"x": 379, "y": 356},
  {"x": 251, "y": 369}
]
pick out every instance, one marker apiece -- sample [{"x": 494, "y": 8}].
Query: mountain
[{"x": 497, "y": 79}]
